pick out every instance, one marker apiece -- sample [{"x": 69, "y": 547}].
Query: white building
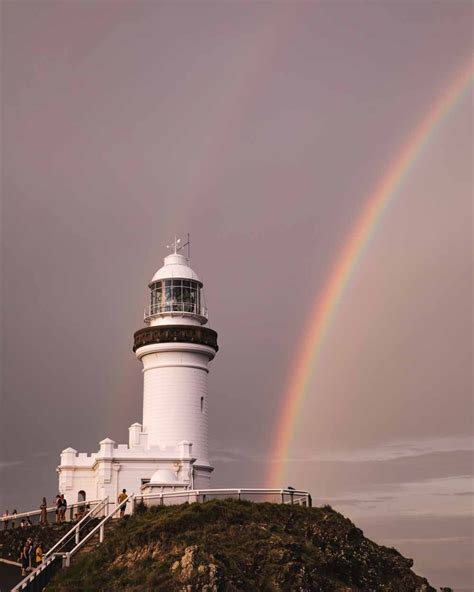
[{"x": 169, "y": 450}]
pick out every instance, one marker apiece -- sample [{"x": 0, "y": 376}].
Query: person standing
[
  {"x": 44, "y": 513},
  {"x": 63, "y": 508},
  {"x": 5, "y": 521},
  {"x": 24, "y": 557},
  {"x": 58, "y": 509},
  {"x": 121, "y": 498},
  {"x": 31, "y": 554},
  {"x": 38, "y": 554},
  {"x": 14, "y": 513}
]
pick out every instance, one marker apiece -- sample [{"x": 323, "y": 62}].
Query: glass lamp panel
[
  {"x": 193, "y": 299},
  {"x": 186, "y": 294},
  {"x": 176, "y": 297},
  {"x": 167, "y": 296}
]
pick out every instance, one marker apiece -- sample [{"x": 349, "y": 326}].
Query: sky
[{"x": 260, "y": 129}]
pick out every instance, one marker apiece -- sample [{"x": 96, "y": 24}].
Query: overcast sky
[{"x": 259, "y": 128}]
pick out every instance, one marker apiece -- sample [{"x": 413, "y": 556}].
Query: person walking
[
  {"x": 121, "y": 498},
  {"x": 44, "y": 513}
]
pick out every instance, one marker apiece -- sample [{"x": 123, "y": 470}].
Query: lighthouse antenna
[
  {"x": 177, "y": 246},
  {"x": 188, "y": 244}
]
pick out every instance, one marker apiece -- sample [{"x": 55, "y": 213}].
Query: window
[
  {"x": 176, "y": 296},
  {"x": 81, "y": 496}
]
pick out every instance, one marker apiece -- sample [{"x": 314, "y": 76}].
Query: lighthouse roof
[{"x": 175, "y": 266}]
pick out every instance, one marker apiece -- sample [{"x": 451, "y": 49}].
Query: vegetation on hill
[
  {"x": 12, "y": 540},
  {"x": 231, "y": 546}
]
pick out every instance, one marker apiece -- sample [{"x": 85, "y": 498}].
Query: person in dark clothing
[
  {"x": 63, "y": 507},
  {"x": 58, "y": 509},
  {"x": 24, "y": 557}
]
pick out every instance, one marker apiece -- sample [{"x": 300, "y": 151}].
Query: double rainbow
[{"x": 345, "y": 265}]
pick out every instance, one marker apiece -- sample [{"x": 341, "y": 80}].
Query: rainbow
[{"x": 346, "y": 263}]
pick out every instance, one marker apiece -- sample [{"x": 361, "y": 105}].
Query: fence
[
  {"x": 72, "y": 512},
  {"x": 82, "y": 532},
  {"x": 37, "y": 579},
  {"x": 278, "y": 496}
]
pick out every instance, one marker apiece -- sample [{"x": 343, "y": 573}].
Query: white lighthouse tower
[
  {"x": 169, "y": 451},
  {"x": 175, "y": 350}
]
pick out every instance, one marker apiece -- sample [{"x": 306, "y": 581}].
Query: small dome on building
[
  {"x": 163, "y": 476},
  {"x": 176, "y": 266}
]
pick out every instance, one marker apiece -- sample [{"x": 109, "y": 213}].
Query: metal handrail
[
  {"x": 34, "y": 574},
  {"x": 99, "y": 528},
  {"x": 21, "y": 515},
  {"x": 77, "y": 527},
  {"x": 295, "y": 496},
  {"x": 51, "y": 555},
  {"x": 228, "y": 490}
]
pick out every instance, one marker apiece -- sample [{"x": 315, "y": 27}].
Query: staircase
[{"x": 60, "y": 554}]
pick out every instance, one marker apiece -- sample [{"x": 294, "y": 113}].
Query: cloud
[
  {"x": 395, "y": 450},
  {"x": 384, "y": 452},
  {"x": 423, "y": 497},
  {"x": 5, "y": 464},
  {"x": 431, "y": 540}
]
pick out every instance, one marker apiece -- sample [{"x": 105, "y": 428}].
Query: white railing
[
  {"x": 153, "y": 310},
  {"x": 99, "y": 529},
  {"x": 75, "y": 531},
  {"x": 14, "y": 520},
  {"x": 282, "y": 496},
  {"x": 41, "y": 575},
  {"x": 44, "y": 572}
]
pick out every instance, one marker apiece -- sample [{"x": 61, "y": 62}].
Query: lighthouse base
[{"x": 135, "y": 467}]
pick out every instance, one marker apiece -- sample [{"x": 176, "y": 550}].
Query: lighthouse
[
  {"x": 175, "y": 349},
  {"x": 169, "y": 449}
]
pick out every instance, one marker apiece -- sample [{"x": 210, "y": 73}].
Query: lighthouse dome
[{"x": 175, "y": 266}]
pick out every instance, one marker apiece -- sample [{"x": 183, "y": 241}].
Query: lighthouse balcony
[{"x": 191, "y": 309}]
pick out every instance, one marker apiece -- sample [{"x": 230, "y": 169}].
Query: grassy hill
[{"x": 232, "y": 546}]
